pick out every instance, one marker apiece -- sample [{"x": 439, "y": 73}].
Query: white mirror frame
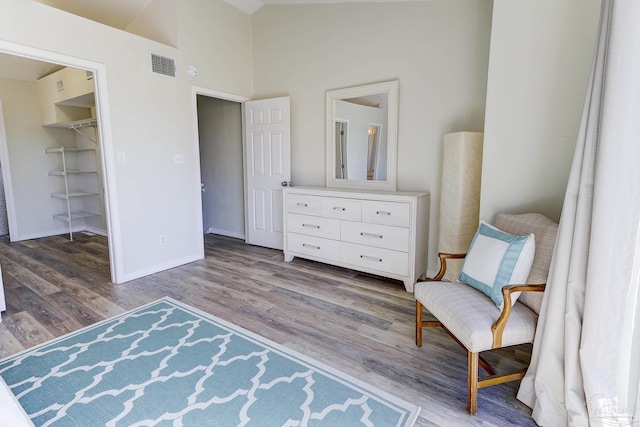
[{"x": 391, "y": 89}]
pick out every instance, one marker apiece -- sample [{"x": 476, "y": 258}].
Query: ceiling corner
[{"x": 247, "y": 6}]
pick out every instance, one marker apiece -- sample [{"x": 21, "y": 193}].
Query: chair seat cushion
[{"x": 469, "y": 314}]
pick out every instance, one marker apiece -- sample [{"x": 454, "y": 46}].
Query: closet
[{"x": 66, "y": 99}]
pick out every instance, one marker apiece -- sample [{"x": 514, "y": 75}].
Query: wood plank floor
[{"x": 360, "y": 324}]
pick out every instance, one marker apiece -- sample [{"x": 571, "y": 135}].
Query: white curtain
[{"x": 585, "y": 367}]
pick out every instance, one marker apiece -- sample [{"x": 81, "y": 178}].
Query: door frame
[
  {"x": 6, "y": 175},
  {"x": 212, "y": 93},
  {"x": 114, "y": 233}
]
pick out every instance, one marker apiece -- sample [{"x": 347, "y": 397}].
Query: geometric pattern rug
[{"x": 169, "y": 364}]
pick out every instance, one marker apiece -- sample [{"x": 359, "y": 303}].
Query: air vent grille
[{"x": 163, "y": 65}]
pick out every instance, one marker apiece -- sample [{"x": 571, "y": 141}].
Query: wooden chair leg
[
  {"x": 472, "y": 387},
  {"x": 418, "y": 324}
]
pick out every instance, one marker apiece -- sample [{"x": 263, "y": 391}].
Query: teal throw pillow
[{"x": 497, "y": 259}]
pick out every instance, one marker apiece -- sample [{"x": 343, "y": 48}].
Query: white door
[{"x": 267, "y": 165}]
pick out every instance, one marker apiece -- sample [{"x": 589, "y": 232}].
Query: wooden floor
[{"x": 360, "y": 324}]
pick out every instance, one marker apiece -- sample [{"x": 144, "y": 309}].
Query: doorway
[
  {"x": 257, "y": 172},
  {"x": 23, "y": 168},
  {"x": 221, "y": 170}
]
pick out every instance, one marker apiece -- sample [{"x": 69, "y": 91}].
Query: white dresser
[{"x": 379, "y": 232}]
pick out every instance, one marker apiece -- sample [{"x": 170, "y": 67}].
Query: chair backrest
[{"x": 545, "y": 231}]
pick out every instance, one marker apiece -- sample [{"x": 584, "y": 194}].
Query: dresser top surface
[{"x": 346, "y": 192}]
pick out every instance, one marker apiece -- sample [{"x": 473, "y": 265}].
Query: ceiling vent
[{"x": 163, "y": 65}]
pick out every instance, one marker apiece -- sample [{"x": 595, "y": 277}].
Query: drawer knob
[
  {"x": 383, "y": 213},
  {"x": 302, "y": 205},
  {"x": 370, "y": 258},
  {"x": 338, "y": 208},
  {"x": 377, "y": 236},
  {"x": 311, "y": 225},
  {"x": 306, "y": 245}
]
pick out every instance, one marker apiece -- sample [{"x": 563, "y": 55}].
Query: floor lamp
[{"x": 459, "y": 195}]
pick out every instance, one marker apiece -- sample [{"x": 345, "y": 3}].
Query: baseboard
[
  {"x": 226, "y": 233},
  {"x": 97, "y": 231},
  {"x": 58, "y": 232},
  {"x": 47, "y": 233},
  {"x": 160, "y": 267}
]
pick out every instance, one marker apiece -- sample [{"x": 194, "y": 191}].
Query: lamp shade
[{"x": 459, "y": 195}]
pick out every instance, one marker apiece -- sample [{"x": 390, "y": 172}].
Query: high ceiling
[
  {"x": 114, "y": 13},
  {"x": 120, "y": 13},
  {"x": 19, "y": 68}
]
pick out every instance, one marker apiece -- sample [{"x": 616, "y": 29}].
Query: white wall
[
  {"x": 151, "y": 117},
  {"x": 540, "y": 59},
  {"x": 26, "y": 143},
  {"x": 437, "y": 50}
]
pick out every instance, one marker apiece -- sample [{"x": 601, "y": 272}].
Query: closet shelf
[
  {"x": 67, "y": 155},
  {"x": 67, "y": 150},
  {"x": 67, "y": 196},
  {"x": 74, "y": 215},
  {"x": 75, "y": 125},
  {"x": 63, "y": 173}
]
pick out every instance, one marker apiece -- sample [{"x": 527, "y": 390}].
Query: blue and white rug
[{"x": 169, "y": 364}]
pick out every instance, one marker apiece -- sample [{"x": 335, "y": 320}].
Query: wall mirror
[{"x": 362, "y": 134}]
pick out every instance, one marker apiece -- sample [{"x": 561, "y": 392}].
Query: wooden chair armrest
[
  {"x": 501, "y": 323},
  {"x": 443, "y": 264},
  {"x": 508, "y": 290}
]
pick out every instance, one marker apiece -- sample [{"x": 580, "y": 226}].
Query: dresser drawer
[
  {"x": 386, "y": 213},
  {"x": 314, "y": 246},
  {"x": 347, "y": 209},
  {"x": 313, "y": 226},
  {"x": 303, "y": 204},
  {"x": 383, "y": 260},
  {"x": 381, "y": 236}
]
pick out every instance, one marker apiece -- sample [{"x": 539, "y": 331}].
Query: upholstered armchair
[{"x": 472, "y": 314}]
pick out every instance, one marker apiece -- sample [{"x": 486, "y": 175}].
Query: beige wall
[
  {"x": 26, "y": 142},
  {"x": 437, "y": 50},
  {"x": 541, "y": 55},
  {"x": 151, "y": 116}
]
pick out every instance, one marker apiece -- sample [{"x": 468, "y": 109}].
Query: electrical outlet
[
  {"x": 178, "y": 159},
  {"x": 163, "y": 240},
  {"x": 122, "y": 158}
]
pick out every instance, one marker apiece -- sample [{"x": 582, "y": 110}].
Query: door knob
[{"x": 286, "y": 184}]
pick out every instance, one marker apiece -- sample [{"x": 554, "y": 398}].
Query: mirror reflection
[{"x": 360, "y": 137}]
